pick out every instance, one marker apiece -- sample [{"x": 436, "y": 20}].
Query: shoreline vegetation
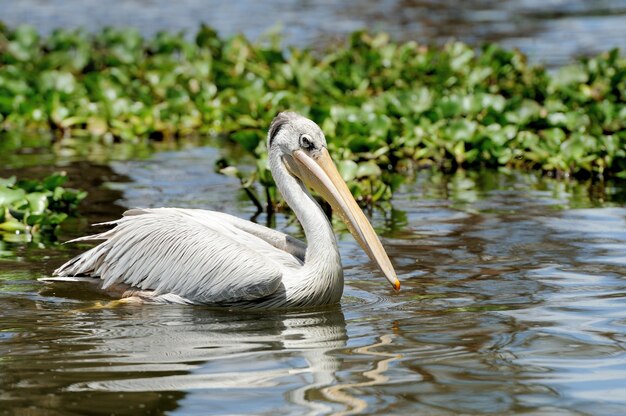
[
  {"x": 30, "y": 209},
  {"x": 387, "y": 108}
]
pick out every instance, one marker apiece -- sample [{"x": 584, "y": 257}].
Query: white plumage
[{"x": 174, "y": 255}]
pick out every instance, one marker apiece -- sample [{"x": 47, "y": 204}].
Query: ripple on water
[
  {"x": 509, "y": 304},
  {"x": 572, "y": 341}
]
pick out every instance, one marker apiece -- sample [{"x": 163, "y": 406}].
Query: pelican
[{"x": 191, "y": 256}]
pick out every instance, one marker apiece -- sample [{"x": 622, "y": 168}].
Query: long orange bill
[{"x": 321, "y": 174}]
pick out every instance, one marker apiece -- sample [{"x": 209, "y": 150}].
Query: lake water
[
  {"x": 514, "y": 286},
  {"x": 513, "y": 302},
  {"x": 549, "y": 31}
]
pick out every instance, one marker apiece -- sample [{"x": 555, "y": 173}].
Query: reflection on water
[
  {"x": 513, "y": 301},
  {"x": 149, "y": 352},
  {"x": 549, "y": 31}
]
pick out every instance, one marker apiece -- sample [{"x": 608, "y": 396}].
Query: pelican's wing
[
  {"x": 194, "y": 254},
  {"x": 281, "y": 241}
]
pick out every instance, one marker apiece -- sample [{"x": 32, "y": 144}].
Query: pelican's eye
[{"x": 306, "y": 142}]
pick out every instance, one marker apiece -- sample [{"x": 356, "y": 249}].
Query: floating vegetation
[
  {"x": 386, "y": 107},
  {"x": 31, "y": 208}
]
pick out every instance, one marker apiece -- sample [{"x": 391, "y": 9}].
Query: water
[
  {"x": 549, "y": 31},
  {"x": 513, "y": 302}
]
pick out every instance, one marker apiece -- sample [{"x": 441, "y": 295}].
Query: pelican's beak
[{"x": 321, "y": 174}]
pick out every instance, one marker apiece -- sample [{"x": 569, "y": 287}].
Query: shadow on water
[{"x": 512, "y": 302}]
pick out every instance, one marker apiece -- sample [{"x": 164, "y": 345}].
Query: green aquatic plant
[
  {"x": 387, "y": 107},
  {"x": 35, "y": 208}
]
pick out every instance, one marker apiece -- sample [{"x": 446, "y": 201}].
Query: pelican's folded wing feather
[
  {"x": 277, "y": 239},
  {"x": 178, "y": 251}
]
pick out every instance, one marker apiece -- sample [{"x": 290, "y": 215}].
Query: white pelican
[{"x": 173, "y": 255}]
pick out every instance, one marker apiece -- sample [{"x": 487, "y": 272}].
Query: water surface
[
  {"x": 513, "y": 302},
  {"x": 549, "y": 31}
]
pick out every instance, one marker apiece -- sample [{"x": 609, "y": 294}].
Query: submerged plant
[
  {"x": 35, "y": 208},
  {"x": 386, "y": 107}
]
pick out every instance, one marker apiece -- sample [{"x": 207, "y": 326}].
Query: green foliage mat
[
  {"x": 30, "y": 208},
  {"x": 385, "y": 107}
]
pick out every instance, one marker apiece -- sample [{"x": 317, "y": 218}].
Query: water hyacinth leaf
[
  {"x": 36, "y": 207},
  {"x": 62, "y": 82},
  {"x": 348, "y": 169},
  {"x": 7, "y": 182},
  {"x": 368, "y": 169},
  {"x": 37, "y": 202},
  {"x": 249, "y": 139},
  {"x": 380, "y": 193},
  {"x": 461, "y": 130},
  {"x": 97, "y": 126},
  {"x": 553, "y": 137},
  {"x": 13, "y": 226},
  {"x": 53, "y": 181},
  {"x": 572, "y": 74},
  {"x": 478, "y": 75},
  {"x": 379, "y": 125},
  {"x": 392, "y": 103},
  {"x": 450, "y": 106},
  {"x": 35, "y": 219},
  {"x": 527, "y": 111},
  {"x": 9, "y": 196},
  {"x": 492, "y": 101},
  {"x": 461, "y": 55}
]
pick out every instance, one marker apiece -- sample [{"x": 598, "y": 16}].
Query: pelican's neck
[{"x": 322, "y": 252}]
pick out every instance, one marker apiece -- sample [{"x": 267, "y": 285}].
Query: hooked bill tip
[{"x": 396, "y": 285}]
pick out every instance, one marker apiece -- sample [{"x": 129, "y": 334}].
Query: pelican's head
[{"x": 303, "y": 148}]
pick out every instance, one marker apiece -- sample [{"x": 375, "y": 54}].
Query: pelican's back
[{"x": 194, "y": 254}]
